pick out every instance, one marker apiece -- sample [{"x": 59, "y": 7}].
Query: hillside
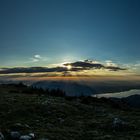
[
  {"x": 66, "y": 118},
  {"x": 70, "y": 88},
  {"x": 87, "y": 88}
]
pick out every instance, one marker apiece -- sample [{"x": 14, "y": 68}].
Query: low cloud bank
[{"x": 75, "y": 66}]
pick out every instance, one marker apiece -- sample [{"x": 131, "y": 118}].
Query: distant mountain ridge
[
  {"x": 132, "y": 101},
  {"x": 74, "y": 88},
  {"x": 70, "y": 88}
]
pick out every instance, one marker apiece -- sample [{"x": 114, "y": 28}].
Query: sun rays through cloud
[{"x": 77, "y": 70}]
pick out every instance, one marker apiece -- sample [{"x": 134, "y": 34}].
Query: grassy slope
[{"x": 56, "y": 118}]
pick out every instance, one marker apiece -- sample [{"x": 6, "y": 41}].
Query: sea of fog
[{"x": 119, "y": 94}]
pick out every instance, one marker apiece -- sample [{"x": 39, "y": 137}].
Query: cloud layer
[
  {"x": 88, "y": 64},
  {"x": 75, "y": 66}
]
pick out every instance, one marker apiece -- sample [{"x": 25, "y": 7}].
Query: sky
[{"x": 51, "y": 32}]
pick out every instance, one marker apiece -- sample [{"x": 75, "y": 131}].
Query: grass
[{"x": 57, "y": 118}]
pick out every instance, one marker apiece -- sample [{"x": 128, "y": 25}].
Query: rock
[
  {"x": 15, "y": 135},
  {"x": 32, "y": 135},
  {"x": 107, "y": 137},
  {"x": 19, "y": 126},
  {"x": 16, "y": 127},
  {"x": 61, "y": 120},
  {"x": 1, "y": 136},
  {"x": 119, "y": 124},
  {"x": 25, "y": 137},
  {"x": 27, "y": 126}
]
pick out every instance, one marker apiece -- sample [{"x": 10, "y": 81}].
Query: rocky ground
[{"x": 26, "y": 117}]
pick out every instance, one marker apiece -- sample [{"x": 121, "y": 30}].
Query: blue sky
[{"x": 69, "y": 30}]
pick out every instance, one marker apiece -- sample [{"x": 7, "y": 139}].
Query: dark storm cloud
[
  {"x": 113, "y": 68},
  {"x": 36, "y": 70},
  {"x": 85, "y": 64},
  {"x": 31, "y": 70},
  {"x": 91, "y": 65}
]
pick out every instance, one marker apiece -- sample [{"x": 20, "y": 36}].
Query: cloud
[
  {"x": 36, "y": 70},
  {"x": 85, "y": 64},
  {"x": 37, "y": 56},
  {"x": 88, "y": 64},
  {"x": 110, "y": 63},
  {"x": 137, "y": 64},
  {"x": 115, "y": 68},
  {"x": 34, "y": 60},
  {"x": 76, "y": 66}
]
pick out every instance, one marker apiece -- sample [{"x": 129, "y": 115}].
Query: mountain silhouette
[{"x": 70, "y": 88}]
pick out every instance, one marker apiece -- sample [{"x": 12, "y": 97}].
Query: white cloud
[
  {"x": 34, "y": 60},
  {"x": 137, "y": 64},
  {"x": 92, "y": 61},
  {"x": 110, "y": 63},
  {"x": 37, "y": 56}
]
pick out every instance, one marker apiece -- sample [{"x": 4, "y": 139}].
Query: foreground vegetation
[{"x": 66, "y": 118}]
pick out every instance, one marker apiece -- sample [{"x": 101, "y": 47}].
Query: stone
[
  {"x": 1, "y": 136},
  {"x": 61, "y": 120},
  {"x": 19, "y": 126},
  {"x": 15, "y": 135},
  {"x": 26, "y": 126},
  {"x": 32, "y": 135},
  {"x": 118, "y": 124},
  {"x": 25, "y": 137}
]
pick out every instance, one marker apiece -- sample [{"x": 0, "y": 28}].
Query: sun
[{"x": 69, "y": 67}]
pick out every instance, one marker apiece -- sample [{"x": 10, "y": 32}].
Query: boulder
[
  {"x": 25, "y": 137},
  {"x": 19, "y": 126},
  {"x": 61, "y": 120},
  {"x": 14, "y": 135},
  {"x": 119, "y": 124},
  {"x": 1, "y": 136},
  {"x": 32, "y": 135}
]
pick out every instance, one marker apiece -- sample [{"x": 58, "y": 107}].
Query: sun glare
[{"x": 69, "y": 67}]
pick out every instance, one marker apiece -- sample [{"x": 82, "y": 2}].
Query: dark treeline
[
  {"x": 22, "y": 88},
  {"x": 40, "y": 91}
]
